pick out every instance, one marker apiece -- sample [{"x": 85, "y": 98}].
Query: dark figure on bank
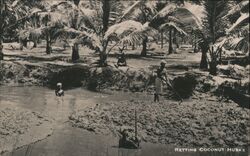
[
  {"x": 59, "y": 91},
  {"x": 121, "y": 60},
  {"x": 160, "y": 78}
]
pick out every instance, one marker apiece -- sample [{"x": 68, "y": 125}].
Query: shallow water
[{"x": 70, "y": 141}]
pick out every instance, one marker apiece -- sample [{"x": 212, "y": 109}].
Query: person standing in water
[
  {"x": 59, "y": 91},
  {"x": 160, "y": 78}
]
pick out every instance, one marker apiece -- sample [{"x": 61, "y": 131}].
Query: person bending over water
[{"x": 59, "y": 91}]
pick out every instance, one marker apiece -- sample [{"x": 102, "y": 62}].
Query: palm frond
[
  {"x": 122, "y": 29},
  {"x": 240, "y": 43},
  {"x": 139, "y": 34},
  {"x": 197, "y": 12},
  {"x": 234, "y": 42},
  {"x": 173, "y": 25},
  {"x": 166, "y": 10},
  {"x": 240, "y": 20},
  {"x": 238, "y": 7},
  {"x": 171, "y": 8},
  {"x": 90, "y": 40},
  {"x": 130, "y": 10},
  {"x": 151, "y": 5}
]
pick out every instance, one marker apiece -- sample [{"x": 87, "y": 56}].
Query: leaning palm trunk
[
  {"x": 75, "y": 52},
  {"x": 144, "y": 47}
]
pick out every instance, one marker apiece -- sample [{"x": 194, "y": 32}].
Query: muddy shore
[
  {"x": 19, "y": 127},
  {"x": 196, "y": 122}
]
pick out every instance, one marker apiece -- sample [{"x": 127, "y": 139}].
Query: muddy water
[{"x": 67, "y": 140}]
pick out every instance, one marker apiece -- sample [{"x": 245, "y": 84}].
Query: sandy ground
[
  {"x": 200, "y": 122},
  {"x": 19, "y": 127}
]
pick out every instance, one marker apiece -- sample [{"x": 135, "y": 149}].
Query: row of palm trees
[{"x": 97, "y": 23}]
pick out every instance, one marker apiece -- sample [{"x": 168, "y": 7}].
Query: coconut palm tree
[
  {"x": 211, "y": 34},
  {"x": 48, "y": 21},
  {"x": 82, "y": 25},
  {"x": 99, "y": 23},
  {"x": 173, "y": 26},
  {"x": 13, "y": 14},
  {"x": 169, "y": 18},
  {"x": 216, "y": 31},
  {"x": 162, "y": 16}
]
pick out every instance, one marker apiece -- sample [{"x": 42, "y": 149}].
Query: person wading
[
  {"x": 161, "y": 76},
  {"x": 59, "y": 91}
]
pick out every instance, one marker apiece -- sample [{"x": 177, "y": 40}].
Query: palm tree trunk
[
  {"x": 25, "y": 42},
  {"x": 103, "y": 59},
  {"x": 213, "y": 67},
  {"x": 204, "y": 63},
  {"x": 75, "y": 53},
  {"x": 21, "y": 43},
  {"x": 35, "y": 38},
  {"x": 213, "y": 64},
  {"x": 161, "y": 39},
  {"x": 195, "y": 44},
  {"x": 175, "y": 39},
  {"x": 133, "y": 46},
  {"x": 35, "y": 43},
  {"x": 106, "y": 12},
  {"x": 103, "y": 54},
  {"x": 170, "y": 46},
  {"x": 1, "y": 48},
  {"x": 48, "y": 44},
  {"x": 105, "y": 23},
  {"x": 144, "y": 47},
  {"x": 2, "y": 8}
]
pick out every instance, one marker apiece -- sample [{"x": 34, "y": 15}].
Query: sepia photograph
[{"x": 124, "y": 78}]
